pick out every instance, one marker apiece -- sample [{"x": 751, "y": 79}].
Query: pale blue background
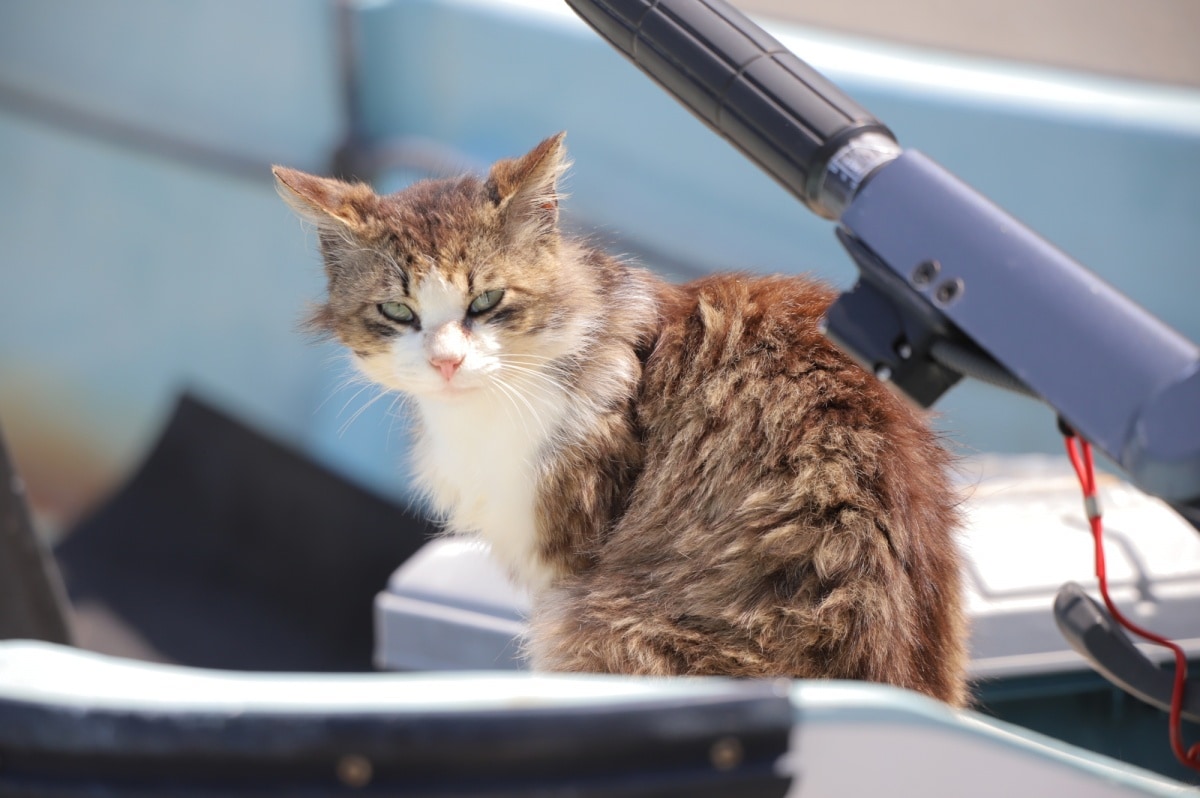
[{"x": 127, "y": 275}]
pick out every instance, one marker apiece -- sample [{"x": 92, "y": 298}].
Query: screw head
[
  {"x": 726, "y": 753},
  {"x": 355, "y": 771},
  {"x": 949, "y": 291},
  {"x": 925, "y": 273}
]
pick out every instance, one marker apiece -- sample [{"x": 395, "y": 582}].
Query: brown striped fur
[{"x": 724, "y": 492}]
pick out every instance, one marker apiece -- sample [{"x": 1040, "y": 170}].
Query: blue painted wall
[{"x": 127, "y": 275}]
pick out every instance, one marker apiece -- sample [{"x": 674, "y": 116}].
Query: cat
[{"x": 688, "y": 478}]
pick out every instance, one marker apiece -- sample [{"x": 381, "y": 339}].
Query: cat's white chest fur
[{"x": 479, "y": 461}]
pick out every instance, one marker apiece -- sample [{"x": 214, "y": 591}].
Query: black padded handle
[
  {"x": 743, "y": 83},
  {"x": 727, "y": 743},
  {"x": 1093, "y": 633}
]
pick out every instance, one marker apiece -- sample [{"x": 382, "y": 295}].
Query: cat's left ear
[
  {"x": 526, "y": 188},
  {"x": 326, "y": 202}
]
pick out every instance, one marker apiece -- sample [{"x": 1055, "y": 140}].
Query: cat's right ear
[
  {"x": 526, "y": 188},
  {"x": 326, "y": 202}
]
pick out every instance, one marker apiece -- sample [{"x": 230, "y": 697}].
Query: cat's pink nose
[{"x": 447, "y": 365}]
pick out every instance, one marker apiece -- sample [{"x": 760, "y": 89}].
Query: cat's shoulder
[
  {"x": 767, "y": 289},
  {"x": 748, "y": 310},
  {"x": 735, "y": 340}
]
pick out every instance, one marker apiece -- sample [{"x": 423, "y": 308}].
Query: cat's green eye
[
  {"x": 485, "y": 301},
  {"x": 397, "y": 312}
]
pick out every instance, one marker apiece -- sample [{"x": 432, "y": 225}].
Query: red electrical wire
[{"x": 1085, "y": 469}]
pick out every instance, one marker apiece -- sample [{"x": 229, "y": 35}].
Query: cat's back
[
  {"x": 793, "y": 516},
  {"x": 744, "y": 399},
  {"x": 744, "y": 355}
]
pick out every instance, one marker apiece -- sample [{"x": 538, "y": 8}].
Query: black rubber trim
[{"x": 724, "y": 745}]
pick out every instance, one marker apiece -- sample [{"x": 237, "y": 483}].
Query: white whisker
[
  {"x": 543, "y": 401},
  {"x": 513, "y": 396},
  {"x": 551, "y": 364},
  {"x": 360, "y": 411},
  {"x": 395, "y": 409},
  {"x": 508, "y": 410},
  {"x": 365, "y": 387},
  {"x": 349, "y": 377},
  {"x": 549, "y": 385},
  {"x": 510, "y": 406},
  {"x": 525, "y": 400},
  {"x": 529, "y": 356}
]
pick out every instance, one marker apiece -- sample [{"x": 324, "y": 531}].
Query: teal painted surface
[
  {"x": 128, "y": 279},
  {"x": 1108, "y": 171},
  {"x": 254, "y": 77},
  {"x": 127, "y": 274},
  {"x": 189, "y": 276}
]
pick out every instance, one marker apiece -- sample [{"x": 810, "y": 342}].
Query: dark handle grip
[
  {"x": 1092, "y": 632},
  {"x": 743, "y": 83}
]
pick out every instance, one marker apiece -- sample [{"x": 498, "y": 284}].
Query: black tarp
[{"x": 229, "y": 550}]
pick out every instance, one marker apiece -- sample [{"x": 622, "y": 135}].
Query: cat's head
[{"x": 436, "y": 288}]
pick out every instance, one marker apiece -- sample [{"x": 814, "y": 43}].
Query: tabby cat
[{"x": 689, "y": 479}]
